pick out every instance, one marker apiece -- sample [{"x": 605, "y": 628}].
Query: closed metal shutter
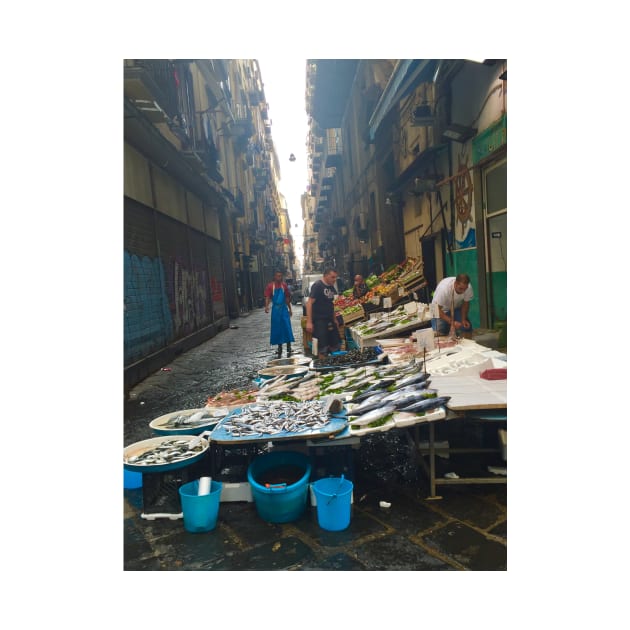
[{"x": 216, "y": 278}]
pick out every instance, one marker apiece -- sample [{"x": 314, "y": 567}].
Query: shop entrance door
[{"x": 495, "y": 194}]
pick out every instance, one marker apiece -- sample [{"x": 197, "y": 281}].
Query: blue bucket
[
  {"x": 132, "y": 479},
  {"x": 334, "y": 497},
  {"x": 200, "y": 512},
  {"x": 279, "y": 502}
]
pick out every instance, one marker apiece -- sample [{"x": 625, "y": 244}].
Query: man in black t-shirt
[{"x": 320, "y": 314}]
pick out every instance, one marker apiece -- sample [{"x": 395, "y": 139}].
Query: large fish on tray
[
  {"x": 374, "y": 415},
  {"x": 365, "y": 395},
  {"x": 373, "y": 402},
  {"x": 407, "y": 392},
  {"x": 426, "y": 404},
  {"x": 413, "y": 378},
  {"x": 412, "y": 397}
]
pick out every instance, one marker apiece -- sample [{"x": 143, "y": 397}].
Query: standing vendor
[
  {"x": 320, "y": 314},
  {"x": 453, "y": 296},
  {"x": 277, "y": 293}
]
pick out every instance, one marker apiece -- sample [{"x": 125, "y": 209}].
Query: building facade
[
  {"x": 408, "y": 158},
  {"x": 201, "y": 209}
]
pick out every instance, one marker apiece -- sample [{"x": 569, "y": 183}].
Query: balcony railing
[
  {"x": 334, "y": 147},
  {"x": 153, "y": 80},
  {"x": 243, "y": 125},
  {"x": 329, "y": 175}
]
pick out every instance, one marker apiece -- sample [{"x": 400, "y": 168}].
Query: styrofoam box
[{"x": 240, "y": 491}]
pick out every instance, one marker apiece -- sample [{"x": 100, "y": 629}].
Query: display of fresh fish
[
  {"x": 410, "y": 398},
  {"x": 270, "y": 418},
  {"x": 375, "y": 414},
  {"x": 413, "y": 378},
  {"x": 167, "y": 452},
  {"x": 365, "y": 395},
  {"x": 373, "y": 402},
  {"x": 184, "y": 421},
  {"x": 408, "y": 391},
  {"x": 374, "y": 387},
  {"x": 426, "y": 404}
]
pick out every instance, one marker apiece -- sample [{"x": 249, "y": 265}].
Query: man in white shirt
[{"x": 453, "y": 296}]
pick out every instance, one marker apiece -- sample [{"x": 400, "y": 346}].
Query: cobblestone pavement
[{"x": 464, "y": 530}]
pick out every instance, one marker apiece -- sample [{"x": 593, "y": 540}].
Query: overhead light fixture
[{"x": 458, "y": 133}]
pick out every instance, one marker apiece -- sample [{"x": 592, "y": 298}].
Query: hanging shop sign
[{"x": 489, "y": 140}]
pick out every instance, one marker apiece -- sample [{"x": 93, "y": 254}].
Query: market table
[
  {"x": 334, "y": 433},
  {"x": 473, "y": 399},
  {"x": 364, "y": 341}
]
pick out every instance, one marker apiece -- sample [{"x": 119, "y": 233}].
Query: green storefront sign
[{"x": 489, "y": 140}]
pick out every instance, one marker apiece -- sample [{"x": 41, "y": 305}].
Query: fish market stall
[
  {"x": 333, "y": 407},
  {"x": 402, "y": 320},
  {"x": 319, "y": 406}
]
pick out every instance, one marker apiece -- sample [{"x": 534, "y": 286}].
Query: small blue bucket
[
  {"x": 334, "y": 497},
  {"x": 279, "y": 502},
  {"x": 132, "y": 479},
  {"x": 200, "y": 512}
]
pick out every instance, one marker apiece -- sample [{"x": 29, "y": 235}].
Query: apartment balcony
[
  {"x": 329, "y": 175},
  {"x": 333, "y": 81},
  {"x": 150, "y": 85},
  {"x": 242, "y": 126},
  {"x": 203, "y": 158},
  {"x": 334, "y": 147},
  {"x": 239, "y": 203},
  {"x": 261, "y": 172},
  {"x": 261, "y": 179},
  {"x": 260, "y": 185},
  {"x": 255, "y": 97}
]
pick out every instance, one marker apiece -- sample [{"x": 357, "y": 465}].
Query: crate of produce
[
  {"x": 352, "y": 314},
  {"x": 412, "y": 276},
  {"x": 393, "y": 293}
]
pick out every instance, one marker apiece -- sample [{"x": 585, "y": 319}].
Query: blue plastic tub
[
  {"x": 200, "y": 512},
  {"x": 334, "y": 498},
  {"x": 132, "y": 479},
  {"x": 280, "y": 502}
]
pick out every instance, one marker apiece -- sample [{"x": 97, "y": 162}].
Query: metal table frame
[{"x": 494, "y": 415}]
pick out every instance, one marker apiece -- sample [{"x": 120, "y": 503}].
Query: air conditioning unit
[{"x": 422, "y": 116}]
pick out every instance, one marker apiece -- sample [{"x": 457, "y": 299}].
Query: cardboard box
[{"x": 307, "y": 337}]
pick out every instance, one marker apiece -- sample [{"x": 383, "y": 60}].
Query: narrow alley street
[{"x": 464, "y": 530}]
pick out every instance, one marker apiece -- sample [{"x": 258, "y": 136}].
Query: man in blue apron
[{"x": 278, "y": 295}]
